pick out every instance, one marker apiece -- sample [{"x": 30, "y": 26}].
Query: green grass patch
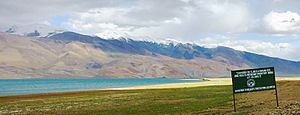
[{"x": 159, "y": 101}]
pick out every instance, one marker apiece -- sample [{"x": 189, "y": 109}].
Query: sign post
[{"x": 251, "y": 80}]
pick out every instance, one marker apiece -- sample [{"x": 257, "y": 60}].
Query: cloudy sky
[{"x": 269, "y": 27}]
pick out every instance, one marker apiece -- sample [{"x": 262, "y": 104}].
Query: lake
[{"x": 46, "y": 85}]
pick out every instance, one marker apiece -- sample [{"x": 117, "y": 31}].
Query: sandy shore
[
  {"x": 287, "y": 78},
  {"x": 210, "y": 82}
]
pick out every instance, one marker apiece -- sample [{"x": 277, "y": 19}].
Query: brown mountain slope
[{"x": 23, "y": 57}]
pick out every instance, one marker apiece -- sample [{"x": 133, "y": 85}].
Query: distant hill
[
  {"x": 33, "y": 30},
  {"x": 70, "y": 54}
]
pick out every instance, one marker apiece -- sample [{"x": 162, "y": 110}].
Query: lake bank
[
  {"x": 185, "y": 83},
  {"x": 192, "y": 100},
  {"x": 208, "y": 82}
]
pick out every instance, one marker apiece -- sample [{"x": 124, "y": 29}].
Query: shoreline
[
  {"x": 206, "y": 82},
  {"x": 209, "y": 82}
]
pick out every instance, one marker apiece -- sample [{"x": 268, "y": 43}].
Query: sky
[{"x": 268, "y": 27}]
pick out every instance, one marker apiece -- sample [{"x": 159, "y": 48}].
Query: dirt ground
[{"x": 264, "y": 102}]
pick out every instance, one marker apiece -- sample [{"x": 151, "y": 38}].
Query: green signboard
[{"x": 253, "y": 80}]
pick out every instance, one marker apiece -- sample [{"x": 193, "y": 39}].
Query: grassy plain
[{"x": 191, "y": 100}]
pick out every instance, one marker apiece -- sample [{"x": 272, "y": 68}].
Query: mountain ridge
[{"x": 75, "y": 55}]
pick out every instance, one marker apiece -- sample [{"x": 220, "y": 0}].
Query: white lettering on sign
[
  {"x": 256, "y": 88},
  {"x": 254, "y": 73}
]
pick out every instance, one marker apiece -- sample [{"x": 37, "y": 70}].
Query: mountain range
[{"x": 70, "y": 54}]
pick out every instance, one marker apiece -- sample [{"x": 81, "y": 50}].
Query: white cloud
[
  {"x": 103, "y": 30},
  {"x": 46, "y": 23},
  {"x": 212, "y": 42},
  {"x": 24, "y": 12},
  {"x": 183, "y": 20},
  {"x": 167, "y": 19},
  {"x": 282, "y": 22},
  {"x": 221, "y": 16},
  {"x": 174, "y": 20}
]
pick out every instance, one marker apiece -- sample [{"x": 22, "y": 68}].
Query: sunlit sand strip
[
  {"x": 287, "y": 78},
  {"x": 210, "y": 82}
]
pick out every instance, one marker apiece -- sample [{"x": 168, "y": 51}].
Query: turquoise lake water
[{"x": 46, "y": 85}]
